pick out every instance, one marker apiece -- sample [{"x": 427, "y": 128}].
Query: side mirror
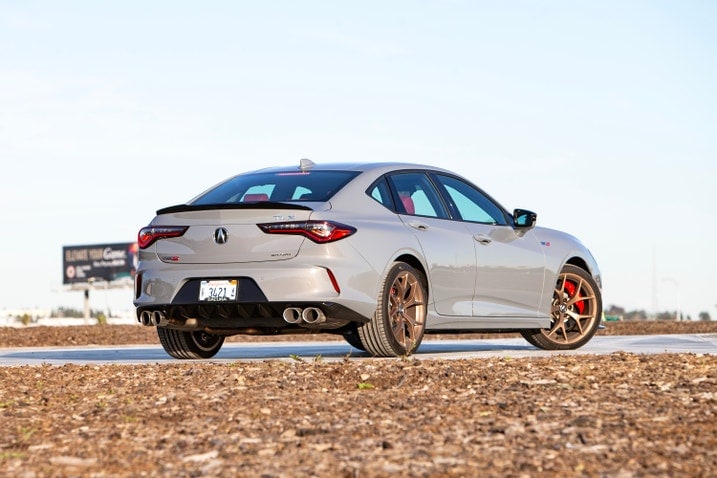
[{"x": 524, "y": 219}]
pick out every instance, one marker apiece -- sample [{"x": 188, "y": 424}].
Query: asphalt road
[{"x": 327, "y": 351}]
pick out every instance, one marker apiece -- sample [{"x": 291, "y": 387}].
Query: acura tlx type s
[{"x": 379, "y": 253}]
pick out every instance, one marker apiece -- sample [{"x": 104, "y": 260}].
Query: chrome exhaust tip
[
  {"x": 145, "y": 318},
  {"x": 313, "y": 315},
  {"x": 158, "y": 319},
  {"x": 292, "y": 315}
]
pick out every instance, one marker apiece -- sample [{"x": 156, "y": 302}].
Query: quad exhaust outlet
[
  {"x": 155, "y": 318},
  {"x": 309, "y": 315}
]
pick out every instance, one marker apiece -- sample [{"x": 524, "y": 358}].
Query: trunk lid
[{"x": 229, "y": 234}]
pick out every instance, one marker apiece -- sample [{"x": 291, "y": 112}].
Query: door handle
[
  {"x": 483, "y": 239},
  {"x": 421, "y": 226}
]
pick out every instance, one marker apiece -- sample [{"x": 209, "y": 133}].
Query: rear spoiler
[{"x": 244, "y": 205}]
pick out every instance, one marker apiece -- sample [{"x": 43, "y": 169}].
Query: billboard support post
[{"x": 87, "y": 306}]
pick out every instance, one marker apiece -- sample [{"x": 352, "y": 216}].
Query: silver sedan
[{"x": 379, "y": 253}]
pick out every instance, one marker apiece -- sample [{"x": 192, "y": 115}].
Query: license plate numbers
[{"x": 218, "y": 290}]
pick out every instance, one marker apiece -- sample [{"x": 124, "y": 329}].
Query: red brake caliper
[{"x": 570, "y": 288}]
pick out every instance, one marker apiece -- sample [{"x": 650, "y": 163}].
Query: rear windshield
[{"x": 285, "y": 186}]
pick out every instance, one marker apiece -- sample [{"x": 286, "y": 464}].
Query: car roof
[{"x": 377, "y": 167}]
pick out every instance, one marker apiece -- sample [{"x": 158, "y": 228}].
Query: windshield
[{"x": 286, "y": 186}]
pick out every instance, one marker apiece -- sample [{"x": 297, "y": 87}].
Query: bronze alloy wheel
[
  {"x": 400, "y": 321},
  {"x": 576, "y": 310},
  {"x": 406, "y": 310}
]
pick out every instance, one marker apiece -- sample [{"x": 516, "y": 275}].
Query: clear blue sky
[{"x": 600, "y": 116}]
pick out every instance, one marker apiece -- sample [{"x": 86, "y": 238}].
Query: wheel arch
[
  {"x": 588, "y": 266},
  {"x": 579, "y": 262},
  {"x": 414, "y": 262}
]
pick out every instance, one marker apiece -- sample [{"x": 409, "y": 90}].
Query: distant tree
[
  {"x": 705, "y": 316},
  {"x": 635, "y": 315},
  {"x": 615, "y": 310},
  {"x": 666, "y": 315}
]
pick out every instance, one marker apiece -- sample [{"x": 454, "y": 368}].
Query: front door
[{"x": 510, "y": 265}]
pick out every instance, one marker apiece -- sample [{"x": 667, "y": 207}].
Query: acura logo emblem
[{"x": 220, "y": 236}]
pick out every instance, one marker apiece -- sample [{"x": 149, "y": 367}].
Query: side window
[
  {"x": 471, "y": 204},
  {"x": 417, "y": 195},
  {"x": 381, "y": 193}
]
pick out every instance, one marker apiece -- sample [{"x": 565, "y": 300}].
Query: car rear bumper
[{"x": 264, "y": 292}]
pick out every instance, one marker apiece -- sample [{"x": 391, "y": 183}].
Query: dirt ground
[
  {"x": 618, "y": 415},
  {"x": 135, "y": 334}
]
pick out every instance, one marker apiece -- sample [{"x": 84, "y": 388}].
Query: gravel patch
[{"x": 617, "y": 415}]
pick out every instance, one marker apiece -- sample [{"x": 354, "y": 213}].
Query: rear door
[{"x": 447, "y": 245}]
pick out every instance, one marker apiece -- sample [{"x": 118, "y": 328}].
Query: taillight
[
  {"x": 318, "y": 231},
  {"x": 151, "y": 234}
]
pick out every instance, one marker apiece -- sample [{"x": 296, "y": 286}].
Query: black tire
[
  {"x": 352, "y": 337},
  {"x": 399, "y": 323},
  {"x": 183, "y": 344},
  {"x": 576, "y": 312}
]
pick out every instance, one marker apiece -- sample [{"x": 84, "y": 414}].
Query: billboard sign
[{"x": 99, "y": 262}]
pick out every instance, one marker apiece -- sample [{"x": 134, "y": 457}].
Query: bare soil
[
  {"x": 618, "y": 415},
  {"x": 135, "y": 334}
]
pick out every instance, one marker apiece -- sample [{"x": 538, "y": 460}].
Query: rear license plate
[{"x": 218, "y": 290}]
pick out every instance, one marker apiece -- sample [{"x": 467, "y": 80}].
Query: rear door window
[{"x": 417, "y": 196}]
